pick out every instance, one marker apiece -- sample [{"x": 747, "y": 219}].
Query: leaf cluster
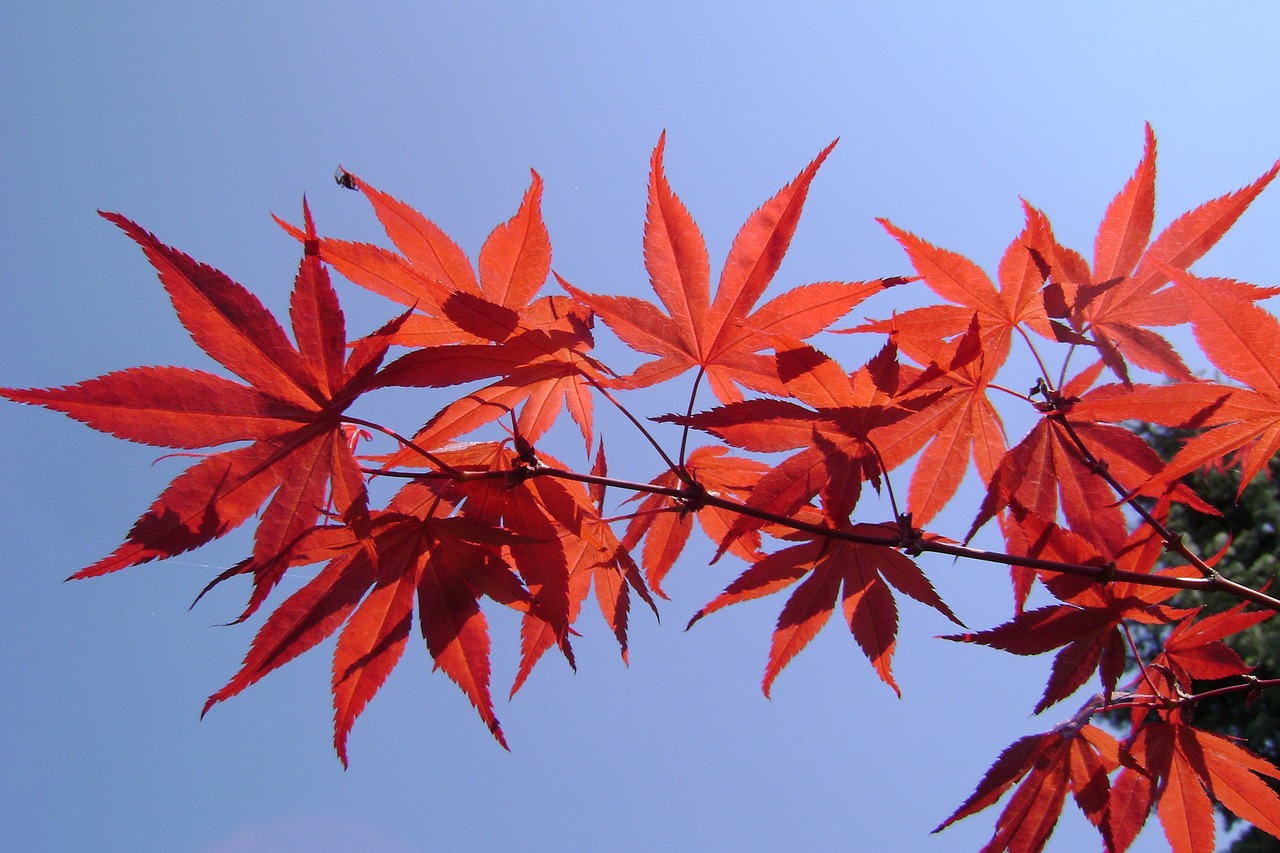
[
  {"x": 1245, "y": 533},
  {"x": 774, "y": 472}
]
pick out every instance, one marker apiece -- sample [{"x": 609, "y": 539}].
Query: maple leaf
[
  {"x": 1194, "y": 649},
  {"x": 721, "y": 337},
  {"x": 1243, "y": 340},
  {"x": 541, "y": 372},
  {"x": 1051, "y": 468},
  {"x": 433, "y": 275},
  {"x": 856, "y": 430},
  {"x": 962, "y": 423},
  {"x": 999, "y": 312},
  {"x": 419, "y": 552},
  {"x": 291, "y": 411},
  {"x": 594, "y": 558},
  {"x": 1125, "y": 294},
  {"x": 1087, "y": 625},
  {"x": 858, "y": 576},
  {"x": 468, "y": 328},
  {"x": 564, "y": 544},
  {"x": 1190, "y": 766},
  {"x": 962, "y": 347},
  {"x": 1075, "y": 757}
]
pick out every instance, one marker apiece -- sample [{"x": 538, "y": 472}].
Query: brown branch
[{"x": 892, "y": 538}]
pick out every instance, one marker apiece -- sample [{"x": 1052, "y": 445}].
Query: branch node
[
  {"x": 693, "y": 497},
  {"x": 910, "y": 537}
]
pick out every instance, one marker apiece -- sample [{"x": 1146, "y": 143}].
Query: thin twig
[
  {"x": 678, "y": 469},
  {"x": 406, "y": 443}
]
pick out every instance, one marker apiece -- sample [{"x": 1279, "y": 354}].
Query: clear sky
[{"x": 200, "y": 119}]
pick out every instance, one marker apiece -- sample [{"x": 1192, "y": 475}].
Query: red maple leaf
[
  {"x": 541, "y": 373},
  {"x": 1124, "y": 295},
  {"x": 420, "y": 552},
  {"x": 433, "y": 276},
  {"x": 594, "y": 558},
  {"x": 857, "y": 429},
  {"x": 999, "y": 312},
  {"x": 1194, "y": 650},
  {"x": 1057, "y": 465},
  {"x": 1184, "y": 767},
  {"x": 1074, "y": 758},
  {"x": 722, "y": 337},
  {"x": 564, "y": 544},
  {"x": 291, "y": 411},
  {"x": 1087, "y": 625},
  {"x": 1243, "y": 340},
  {"x": 857, "y": 576},
  {"x": 468, "y": 328},
  {"x": 961, "y": 424}
]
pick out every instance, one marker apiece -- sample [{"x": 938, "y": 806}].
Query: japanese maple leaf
[
  {"x": 1050, "y": 468},
  {"x": 722, "y": 337},
  {"x": 1027, "y": 534},
  {"x": 541, "y": 373},
  {"x": 420, "y": 554},
  {"x": 470, "y": 328},
  {"x": 999, "y": 312},
  {"x": 594, "y": 558},
  {"x": 1194, "y": 650},
  {"x": 1190, "y": 767},
  {"x": 1124, "y": 294},
  {"x": 961, "y": 424},
  {"x": 858, "y": 428},
  {"x": 565, "y": 544},
  {"x": 434, "y": 276},
  {"x": 1073, "y": 758},
  {"x": 290, "y": 410},
  {"x": 1243, "y": 341},
  {"x": 854, "y": 575}
]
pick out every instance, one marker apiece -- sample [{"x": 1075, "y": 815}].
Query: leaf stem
[
  {"x": 677, "y": 469},
  {"x": 1044, "y": 371},
  {"x": 404, "y": 442},
  {"x": 693, "y": 395},
  {"x": 1142, "y": 667}
]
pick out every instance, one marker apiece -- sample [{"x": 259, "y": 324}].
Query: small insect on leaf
[{"x": 344, "y": 178}]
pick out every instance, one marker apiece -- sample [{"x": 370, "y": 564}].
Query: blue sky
[{"x": 198, "y": 120}]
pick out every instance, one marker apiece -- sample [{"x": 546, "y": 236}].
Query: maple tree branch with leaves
[{"x": 1081, "y": 503}]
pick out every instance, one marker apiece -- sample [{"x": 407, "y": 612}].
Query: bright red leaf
[
  {"x": 291, "y": 412},
  {"x": 1124, "y": 296},
  {"x": 1189, "y": 766},
  {"x": 854, "y": 575},
  {"x": 723, "y": 337},
  {"x": 1074, "y": 758}
]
